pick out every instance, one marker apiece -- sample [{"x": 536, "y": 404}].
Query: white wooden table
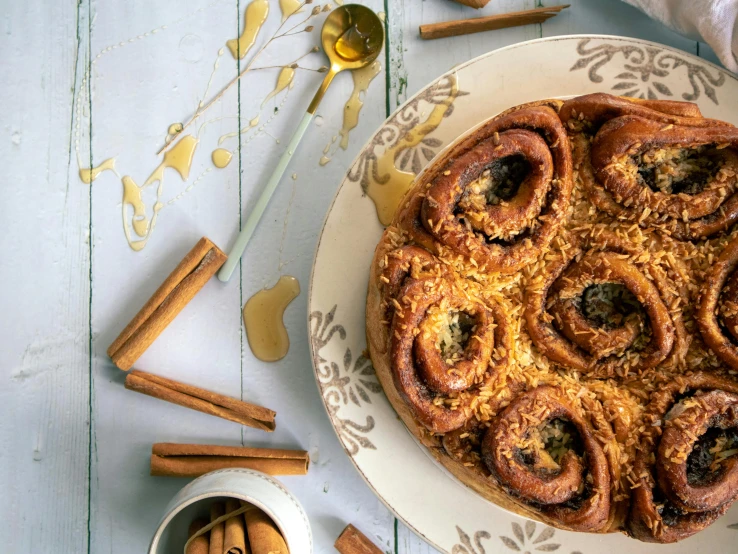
[{"x": 75, "y": 444}]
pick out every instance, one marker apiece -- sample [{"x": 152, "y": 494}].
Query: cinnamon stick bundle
[
  {"x": 199, "y": 545},
  {"x": 264, "y": 536},
  {"x": 193, "y": 460},
  {"x": 201, "y": 400},
  {"x": 353, "y": 541},
  {"x": 217, "y": 533},
  {"x": 235, "y": 534},
  {"x": 489, "y": 23},
  {"x": 197, "y": 267}
]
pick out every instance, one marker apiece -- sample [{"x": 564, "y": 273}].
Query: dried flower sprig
[{"x": 249, "y": 66}]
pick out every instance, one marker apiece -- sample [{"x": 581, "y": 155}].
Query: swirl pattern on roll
[
  {"x": 684, "y": 474},
  {"x": 717, "y": 315},
  {"x": 602, "y": 308},
  {"x": 445, "y": 347},
  {"x": 561, "y": 469},
  {"x": 677, "y": 173},
  {"x": 502, "y": 202}
]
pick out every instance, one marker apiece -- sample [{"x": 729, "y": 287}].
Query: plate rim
[{"x": 367, "y": 143}]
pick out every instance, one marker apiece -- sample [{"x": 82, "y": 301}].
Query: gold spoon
[{"x": 352, "y": 37}]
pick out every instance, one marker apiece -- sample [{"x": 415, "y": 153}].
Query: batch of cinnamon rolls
[{"x": 554, "y": 314}]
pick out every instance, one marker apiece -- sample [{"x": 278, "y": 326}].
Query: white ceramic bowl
[{"x": 261, "y": 490}]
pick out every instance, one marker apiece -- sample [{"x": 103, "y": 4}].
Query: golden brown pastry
[{"x": 553, "y": 313}]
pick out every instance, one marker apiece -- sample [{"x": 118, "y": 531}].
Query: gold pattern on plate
[{"x": 387, "y": 196}]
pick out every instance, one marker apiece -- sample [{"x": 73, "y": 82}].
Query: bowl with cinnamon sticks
[{"x": 233, "y": 511}]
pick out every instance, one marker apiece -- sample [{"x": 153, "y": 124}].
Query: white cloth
[{"x": 712, "y": 21}]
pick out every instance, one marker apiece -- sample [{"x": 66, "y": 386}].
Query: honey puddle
[
  {"x": 387, "y": 197},
  {"x": 221, "y": 157},
  {"x": 286, "y": 79},
  {"x": 87, "y": 175},
  {"x": 254, "y": 17},
  {"x": 262, "y": 318},
  {"x": 289, "y": 7},
  {"x": 362, "y": 79}
]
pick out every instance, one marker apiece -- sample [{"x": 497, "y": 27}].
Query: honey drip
[
  {"x": 362, "y": 79},
  {"x": 179, "y": 158},
  {"x": 221, "y": 157},
  {"x": 286, "y": 79},
  {"x": 253, "y": 123},
  {"x": 289, "y": 7},
  {"x": 262, "y": 317},
  {"x": 142, "y": 225},
  {"x": 387, "y": 196},
  {"x": 253, "y": 19},
  {"x": 87, "y": 175}
]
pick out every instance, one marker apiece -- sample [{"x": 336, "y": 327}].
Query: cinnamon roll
[
  {"x": 445, "y": 350},
  {"x": 548, "y": 453},
  {"x": 657, "y": 164},
  {"x": 602, "y": 307},
  {"x": 501, "y": 202},
  {"x": 717, "y": 316},
  {"x": 686, "y": 470}
]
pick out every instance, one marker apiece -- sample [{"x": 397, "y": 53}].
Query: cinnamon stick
[
  {"x": 197, "y": 267},
  {"x": 217, "y": 533},
  {"x": 235, "y": 535},
  {"x": 473, "y": 3},
  {"x": 193, "y": 460},
  {"x": 201, "y": 400},
  {"x": 264, "y": 536},
  {"x": 489, "y": 23},
  {"x": 200, "y": 544},
  {"x": 353, "y": 541}
]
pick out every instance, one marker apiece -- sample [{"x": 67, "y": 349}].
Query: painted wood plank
[
  {"x": 45, "y": 293},
  {"x": 284, "y": 243},
  {"x": 415, "y": 62},
  {"x": 155, "y": 76}
]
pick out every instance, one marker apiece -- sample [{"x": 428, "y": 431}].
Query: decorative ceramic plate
[{"x": 427, "y": 498}]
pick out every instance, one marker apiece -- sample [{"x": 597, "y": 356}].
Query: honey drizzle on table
[
  {"x": 179, "y": 158},
  {"x": 362, "y": 79},
  {"x": 87, "y": 175},
  {"x": 263, "y": 319},
  {"x": 254, "y": 17},
  {"x": 285, "y": 79},
  {"x": 289, "y": 7}
]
